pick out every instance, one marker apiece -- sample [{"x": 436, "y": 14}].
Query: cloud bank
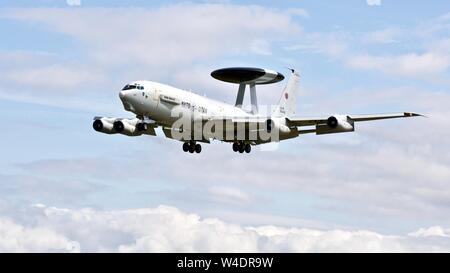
[{"x": 167, "y": 229}]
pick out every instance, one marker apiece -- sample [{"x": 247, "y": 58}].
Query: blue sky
[{"x": 62, "y": 63}]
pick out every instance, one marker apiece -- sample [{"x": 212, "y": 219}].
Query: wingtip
[{"x": 411, "y": 114}]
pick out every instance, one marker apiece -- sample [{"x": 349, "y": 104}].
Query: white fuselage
[{"x": 163, "y": 103}]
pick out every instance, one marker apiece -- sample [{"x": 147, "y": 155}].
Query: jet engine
[
  {"x": 129, "y": 127},
  {"x": 104, "y": 125},
  {"x": 336, "y": 124},
  {"x": 278, "y": 126}
]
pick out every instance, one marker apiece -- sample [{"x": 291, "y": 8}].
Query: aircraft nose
[
  {"x": 125, "y": 98},
  {"x": 122, "y": 95}
]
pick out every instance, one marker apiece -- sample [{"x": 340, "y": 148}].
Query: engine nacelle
[
  {"x": 278, "y": 126},
  {"x": 129, "y": 127},
  {"x": 336, "y": 124},
  {"x": 104, "y": 125}
]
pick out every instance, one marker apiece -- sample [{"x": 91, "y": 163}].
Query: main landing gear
[
  {"x": 192, "y": 147},
  {"x": 242, "y": 147}
]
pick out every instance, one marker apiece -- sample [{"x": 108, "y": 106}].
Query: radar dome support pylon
[{"x": 247, "y": 76}]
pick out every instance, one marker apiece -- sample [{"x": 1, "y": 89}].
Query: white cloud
[
  {"x": 154, "y": 37},
  {"x": 298, "y": 12},
  {"x": 420, "y": 51},
  {"x": 45, "y": 78},
  {"x": 433, "y": 61},
  {"x": 57, "y": 76},
  {"x": 167, "y": 229},
  {"x": 18, "y": 238},
  {"x": 384, "y": 36},
  {"x": 333, "y": 44},
  {"x": 229, "y": 194},
  {"x": 431, "y": 231},
  {"x": 373, "y": 2},
  {"x": 412, "y": 64},
  {"x": 157, "y": 44},
  {"x": 73, "y": 2}
]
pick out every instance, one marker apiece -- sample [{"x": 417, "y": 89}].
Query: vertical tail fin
[{"x": 288, "y": 100}]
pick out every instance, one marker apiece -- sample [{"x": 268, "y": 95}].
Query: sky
[{"x": 66, "y": 188}]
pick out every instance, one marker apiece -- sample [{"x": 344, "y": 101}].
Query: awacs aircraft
[{"x": 194, "y": 119}]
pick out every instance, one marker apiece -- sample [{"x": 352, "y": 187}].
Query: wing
[
  {"x": 340, "y": 123},
  {"x": 315, "y": 121},
  {"x": 329, "y": 125}
]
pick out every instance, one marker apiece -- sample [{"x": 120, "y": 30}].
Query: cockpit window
[
  {"x": 133, "y": 86},
  {"x": 129, "y": 86}
]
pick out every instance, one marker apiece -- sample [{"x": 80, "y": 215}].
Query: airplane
[{"x": 195, "y": 119}]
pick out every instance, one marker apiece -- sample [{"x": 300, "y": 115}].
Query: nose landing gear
[
  {"x": 242, "y": 147},
  {"x": 192, "y": 147}
]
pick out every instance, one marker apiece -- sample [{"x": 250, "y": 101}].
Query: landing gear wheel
[
  {"x": 247, "y": 148},
  {"x": 191, "y": 148},
  {"x": 241, "y": 148},
  {"x": 198, "y": 148},
  {"x": 186, "y": 147},
  {"x": 235, "y": 146}
]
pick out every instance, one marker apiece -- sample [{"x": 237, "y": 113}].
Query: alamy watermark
[{"x": 190, "y": 125}]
